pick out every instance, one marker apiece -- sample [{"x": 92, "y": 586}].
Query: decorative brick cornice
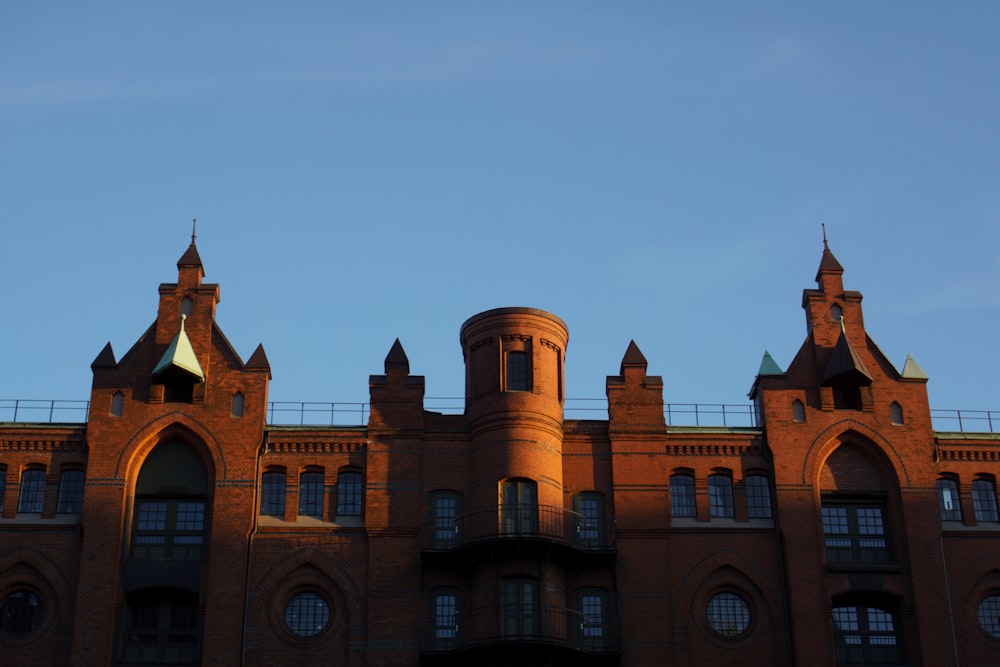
[
  {"x": 713, "y": 449},
  {"x": 38, "y": 444},
  {"x": 315, "y": 447},
  {"x": 518, "y": 337},
  {"x": 482, "y": 342},
  {"x": 549, "y": 344},
  {"x": 986, "y": 455}
]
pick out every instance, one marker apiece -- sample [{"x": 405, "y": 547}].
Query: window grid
[
  {"x": 70, "y": 492},
  {"x": 682, "y": 496},
  {"x": 311, "y": 494},
  {"x": 272, "y": 497},
  {"x": 988, "y": 615},
  {"x": 517, "y": 371},
  {"x": 592, "y": 609},
  {"x": 720, "y": 496},
  {"x": 444, "y": 518},
  {"x": 307, "y": 614},
  {"x": 349, "y": 494},
  {"x": 728, "y": 614},
  {"x": 865, "y": 635},
  {"x": 20, "y": 613},
  {"x": 984, "y": 500},
  {"x": 590, "y": 508},
  {"x": 948, "y": 500},
  {"x": 32, "y": 495},
  {"x": 855, "y": 534},
  {"x": 445, "y": 616},
  {"x": 758, "y": 497}
]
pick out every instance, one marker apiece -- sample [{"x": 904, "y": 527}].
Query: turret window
[
  {"x": 517, "y": 371},
  {"x": 117, "y": 404},
  {"x": 896, "y": 413},
  {"x": 237, "y": 407}
]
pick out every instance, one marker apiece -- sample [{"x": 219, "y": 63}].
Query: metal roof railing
[{"x": 311, "y": 413}]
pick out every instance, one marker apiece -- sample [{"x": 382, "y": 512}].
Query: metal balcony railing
[
  {"x": 522, "y": 623},
  {"x": 966, "y": 421},
  {"x": 524, "y": 522}
]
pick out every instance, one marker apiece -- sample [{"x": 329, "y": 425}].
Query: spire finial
[
  {"x": 843, "y": 327},
  {"x": 825, "y": 246},
  {"x": 194, "y": 230}
]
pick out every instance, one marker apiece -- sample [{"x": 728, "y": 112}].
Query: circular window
[
  {"x": 728, "y": 614},
  {"x": 307, "y": 614},
  {"x": 989, "y": 615},
  {"x": 20, "y": 613}
]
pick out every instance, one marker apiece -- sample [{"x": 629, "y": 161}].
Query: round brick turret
[{"x": 514, "y": 400}]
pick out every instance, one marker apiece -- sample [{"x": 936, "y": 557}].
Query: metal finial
[
  {"x": 823, "y": 225},
  {"x": 843, "y": 327},
  {"x": 194, "y": 229}
]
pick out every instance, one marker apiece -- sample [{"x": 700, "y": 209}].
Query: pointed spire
[
  {"x": 190, "y": 258},
  {"x": 106, "y": 359},
  {"x": 180, "y": 357},
  {"x": 829, "y": 263},
  {"x": 258, "y": 359},
  {"x": 912, "y": 370},
  {"x": 397, "y": 358},
  {"x": 768, "y": 366},
  {"x": 633, "y": 357}
]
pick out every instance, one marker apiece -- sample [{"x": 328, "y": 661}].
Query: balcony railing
[
  {"x": 522, "y": 522},
  {"x": 288, "y": 413},
  {"x": 503, "y": 624}
]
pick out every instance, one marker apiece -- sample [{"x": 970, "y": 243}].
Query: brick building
[{"x": 177, "y": 526}]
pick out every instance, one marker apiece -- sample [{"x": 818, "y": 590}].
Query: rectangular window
[
  {"x": 519, "y": 506},
  {"x": 517, "y": 371},
  {"x": 720, "y": 496},
  {"x": 311, "y": 494},
  {"x": 445, "y": 509},
  {"x": 349, "y": 493},
  {"x": 855, "y": 533},
  {"x": 984, "y": 499},
  {"x": 32, "y": 495},
  {"x": 590, "y": 518},
  {"x": 865, "y": 636},
  {"x": 682, "y": 496},
  {"x": 593, "y": 606},
  {"x": 272, "y": 497},
  {"x": 758, "y": 497},
  {"x": 70, "y": 492},
  {"x": 445, "y": 611},
  {"x": 948, "y": 502},
  {"x": 168, "y": 529}
]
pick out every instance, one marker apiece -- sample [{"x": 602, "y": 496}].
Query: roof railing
[{"x": 311, "y": 413}]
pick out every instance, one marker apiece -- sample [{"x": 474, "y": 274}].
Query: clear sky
[{"x": 367, "y": 171}]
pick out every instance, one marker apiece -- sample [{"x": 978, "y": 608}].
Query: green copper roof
[
  {"x": 768, "y": 366},
  {"x": 913, "y": 370},
  {"x": 180, "y": 355}
]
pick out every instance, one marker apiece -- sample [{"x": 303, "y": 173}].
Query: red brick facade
[{"x": 178, "y": 527}]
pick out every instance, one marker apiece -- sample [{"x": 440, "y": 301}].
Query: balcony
[
  {"x": 566, "y": 635},
  {"x": 522, "y": 527}
]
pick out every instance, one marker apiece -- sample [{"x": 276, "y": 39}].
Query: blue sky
[{"x": 367, "y": 171}]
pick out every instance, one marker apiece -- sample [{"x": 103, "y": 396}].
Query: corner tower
[{"x": 514, "y": 401}]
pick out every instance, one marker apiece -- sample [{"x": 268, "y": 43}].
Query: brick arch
[
  {"x": 309, "y": 565},
  {"x": 27, "y": 567},
  {"x": 848, "y": 431},
  {"x": 175, "y": 425},
  {"x": 726, "y": 565}
]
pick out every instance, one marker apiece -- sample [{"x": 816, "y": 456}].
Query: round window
[
  {"x": 307, "y": 614},
  {"x": 728, "y": 614},
  {"x": 20, "y": 613},
  {"x": 989, "y": 615}
]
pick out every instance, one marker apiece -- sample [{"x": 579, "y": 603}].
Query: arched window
[
  {"x": 169, "y": 515},
  {"x": 70, "y": 492},
  {"x": 520, "y": 604},
  {"x": 350, "y": 493},
  {"x": 311, "y": 494},
  {"x": 272, "y": 497},
  {"x": 31, "y": 498},
  {"x": 444, "y": 612},
  {"x": 836, "y": 313},
  {"x": 720, "y": 496},
  {"x": 984, "y": 500},
  {"x": 896, "y": 413},
  {"x": 519, "y": 506},
  {"x": 117, "y": 404},
  {"x": 948, "y": 501},
  {"x": 445, "y": 512},
  {"x": 682, "y": 496},
  {"x": 237, "y": 407},
  {"x": 517, "y": 371},
  {"x": 798, "y": 411}
]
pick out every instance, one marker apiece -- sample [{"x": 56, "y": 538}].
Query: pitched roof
[{"x": 180, "y": 355}]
